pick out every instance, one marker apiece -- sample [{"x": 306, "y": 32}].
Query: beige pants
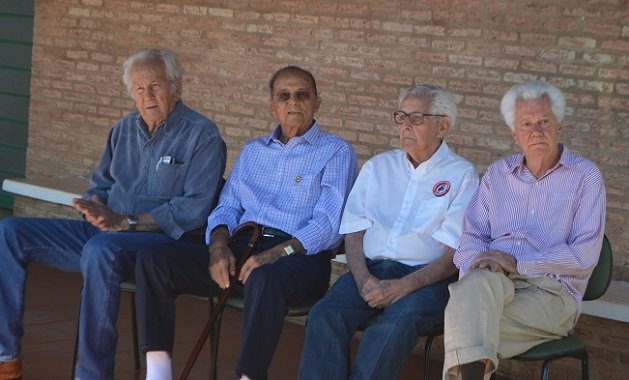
[{"x": 491, "y": 316}]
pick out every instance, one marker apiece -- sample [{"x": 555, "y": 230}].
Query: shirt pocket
[
  {"x": 557, "y": 214},
  {"x": 167, "y": 180},
  {"x": 303, "y": 192},
  {"x": 430, "y": 215}
]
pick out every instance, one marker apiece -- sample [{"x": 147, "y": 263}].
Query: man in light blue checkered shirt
[{"x": 294, "y": 184}]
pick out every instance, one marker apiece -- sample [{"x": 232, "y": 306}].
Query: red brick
[
  {"x": 488, "y": 75},
  {"x": 598, "y": 58},
  {"x": 519, "y": 50},
  {"x": 448, "y": 71},
  {"x": 501, "y": 63},
  {"x": 465, "y": 60},
  {"x": 577, "y": 70},
  {"x": 536, "y": 66},
  {"x": 544, "y": 39},
  {"x": 421, "y": 15},
  {"x": 451, "y": 45},
  {"x": 615, "y": 74},
  {"x": 465, "y": 32},
  {"x": 577, "y": 42},
  {"x": 599, "y": 86},
  {"x": 365, "y": 24},
  {"x": 500, "y": 35}
]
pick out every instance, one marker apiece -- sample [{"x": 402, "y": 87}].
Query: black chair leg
[
  {"x": 75, "y": 354},
  {"x": 546, "y": 369},
  {"x": 134, "y": 329},
  {"x": 427, "y": 352},
  {"x": 215, "y": 338},
  {"x": 585, "y": 373}
]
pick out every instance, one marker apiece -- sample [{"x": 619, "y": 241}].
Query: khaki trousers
[{"x": 491, "y": 316}]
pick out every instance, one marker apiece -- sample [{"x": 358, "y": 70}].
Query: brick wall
[{"x": 362, "y": 54}]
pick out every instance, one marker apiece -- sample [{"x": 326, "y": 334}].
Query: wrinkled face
[
  {"x": 294, "y": 103},
  {"x": 536, "y": 129},
  {"x": 420, "y": 141},
  {"x": 150, "y": 90}
]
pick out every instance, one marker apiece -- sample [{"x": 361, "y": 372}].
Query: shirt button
[{"x": 532, "y": 211}]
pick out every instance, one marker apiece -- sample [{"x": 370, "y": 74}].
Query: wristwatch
[
  {"x": 133, "y": 222},
  {"x": 288, "y": 249}
]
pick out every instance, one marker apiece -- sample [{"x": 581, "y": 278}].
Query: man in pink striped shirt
[{"x": 532, "y": 237}]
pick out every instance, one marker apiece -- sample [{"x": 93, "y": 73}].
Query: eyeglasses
[
  {"x": 415, "y": 118},
  {"x": 300, "y": 95}
]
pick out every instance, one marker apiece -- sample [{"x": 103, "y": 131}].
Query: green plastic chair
[{"x": 572, "y": 346}]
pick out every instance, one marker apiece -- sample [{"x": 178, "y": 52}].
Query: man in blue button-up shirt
[
  {"x": 157, "y": 180},
  {"x": 294, "y": 182}
]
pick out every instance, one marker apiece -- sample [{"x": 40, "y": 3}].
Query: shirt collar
[
  {"x": 566, "y": 158},
  {"x": 434, "y": 160},
  {"x": 169, "y": 123},
  {"x": 311, "y": 136}
]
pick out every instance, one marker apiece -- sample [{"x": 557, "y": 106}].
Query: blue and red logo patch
[{"x": 441, "y": 188}]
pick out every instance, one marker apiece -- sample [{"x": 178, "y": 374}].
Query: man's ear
[
  {"x": 444, "y": 126},
  {"x": 179, "y": 89},
  {"x": 271, "y": 110}
]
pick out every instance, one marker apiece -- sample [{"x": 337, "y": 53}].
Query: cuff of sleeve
[
  {"x": 523, "y": 267},
  {"x": 358, "y": 225},
  {"x": 216, "y": 220},
  {"x": 309, "y": 244},
  {"x": 163, "y": 218},
  {"x": 90, "y": 193},
  {"x": 445, "y": 238}
]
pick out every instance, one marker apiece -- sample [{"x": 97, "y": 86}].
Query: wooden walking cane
[{"x": 220, "y": 304}]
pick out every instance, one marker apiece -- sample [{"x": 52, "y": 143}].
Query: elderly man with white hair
[
  {"x": 531, "y": 240},
  {"x": 156, "y": 181},
  {"x": 402, "y": 223}
]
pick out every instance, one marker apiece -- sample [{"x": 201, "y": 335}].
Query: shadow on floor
[{"x": 50, "y": 322}]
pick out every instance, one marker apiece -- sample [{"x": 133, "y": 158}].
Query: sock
[{"x": 158, "y": 366}]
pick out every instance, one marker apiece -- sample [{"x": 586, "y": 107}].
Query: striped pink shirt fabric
[{"x": 553, "y": 225}]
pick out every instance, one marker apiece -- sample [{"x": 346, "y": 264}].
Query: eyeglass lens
[
  {"x": 301, "y": 95},
  {"x": 415, "y": 118}
]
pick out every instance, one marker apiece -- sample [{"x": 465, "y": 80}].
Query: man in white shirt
[{"x": 402, "y": 222}]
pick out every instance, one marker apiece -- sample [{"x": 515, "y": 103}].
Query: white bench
[
  {"x": 55, "y": 190},
  {"x": 613, "y": 305}
]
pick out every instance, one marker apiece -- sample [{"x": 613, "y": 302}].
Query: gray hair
[
  {"x": 442, "y": 101},
  {"x": 530, "y": 91},
  {"x": 174, "y": 73}
]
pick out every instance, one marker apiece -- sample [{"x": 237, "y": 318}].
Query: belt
[{"x": 274, "y": 232}]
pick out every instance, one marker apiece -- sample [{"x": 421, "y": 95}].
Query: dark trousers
[{"x": 165, "y": 271}]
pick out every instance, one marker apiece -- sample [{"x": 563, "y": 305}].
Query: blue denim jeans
[
  {"x": 104, "y": 259},
  {"x": 384, "y": 346}
]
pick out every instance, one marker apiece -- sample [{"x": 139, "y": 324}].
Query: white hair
[
  {"x": 530, "y": 91},
  {"x": 442, "y": 102},
  {"x": 174, "y": 73}
]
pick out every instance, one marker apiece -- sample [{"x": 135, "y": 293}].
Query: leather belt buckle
[{"x": 273, "y": 232}]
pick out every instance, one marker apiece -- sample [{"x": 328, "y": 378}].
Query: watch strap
[{"x": 133, "y": 222}]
